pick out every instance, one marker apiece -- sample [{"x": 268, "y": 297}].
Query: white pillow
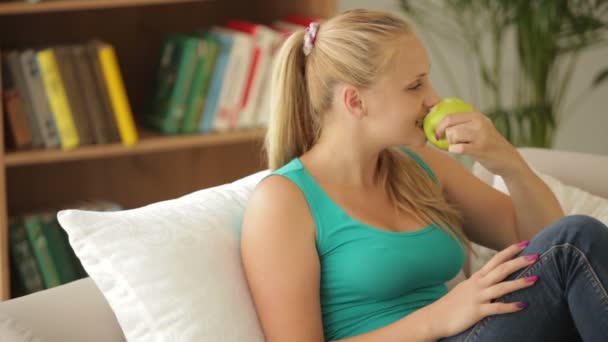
[
  {"x": 171, "y": 271},
  {"x": 572, "y": 199}
]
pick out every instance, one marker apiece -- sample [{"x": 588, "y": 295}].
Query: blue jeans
[{"x": 569, "y": 302}]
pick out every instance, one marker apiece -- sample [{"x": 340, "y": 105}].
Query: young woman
[{"x": 354, "y": 234}]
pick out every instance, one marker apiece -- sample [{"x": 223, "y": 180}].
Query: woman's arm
[
  {"x": 282, "y": 268},
  {"x": 535, "y": 204}
]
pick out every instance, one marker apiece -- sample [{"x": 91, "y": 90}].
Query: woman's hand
[
  {"x": 474, "y": 134},
  {"x": 471, "y": 300}
]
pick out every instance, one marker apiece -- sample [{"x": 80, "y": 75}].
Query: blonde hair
[{"x": 355, "y": 47}]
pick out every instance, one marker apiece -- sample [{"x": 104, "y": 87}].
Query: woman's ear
[{"x": 353, "y": 101}]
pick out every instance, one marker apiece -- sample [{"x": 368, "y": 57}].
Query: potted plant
[{"x": 549, "y": 37}]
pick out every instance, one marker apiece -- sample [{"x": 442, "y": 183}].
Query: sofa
[{"x": 125, "y": 299}]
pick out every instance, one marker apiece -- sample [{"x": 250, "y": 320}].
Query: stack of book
[
  {"x": 65, "y": 97},
  {"x": 218, "y": 79},
  {"x": 40, "y": 254}
]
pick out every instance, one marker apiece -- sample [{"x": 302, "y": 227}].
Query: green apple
[{"x": 444, "y": 107}]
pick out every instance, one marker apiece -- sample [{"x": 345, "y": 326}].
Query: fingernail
[
  {"x": 523, "y": 243},
  {"x": 437, "y": 136},
  {"x": 531, "y": 279},
  {"x": 522, "y": 305},
  {"x": 531, "y": 257}
]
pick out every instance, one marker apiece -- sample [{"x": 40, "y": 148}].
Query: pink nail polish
[
  {"x": 531, "y": 279},
  {"x": 437, "y": 136},
  {"x": 523, "y": 243},
  {"x": 522, "y": 305},
  {"x": 532, "y": 257}
]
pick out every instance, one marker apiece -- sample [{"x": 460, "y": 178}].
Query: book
[
  {"x": 16, "y": 72},
  {"x": 231, "y": 94},
  {"x": 55, "y": 91},
  {"x": 73, "y": 91},
  {"x": 102, "y": 90},
  {"x": 217, "y": 79},
  {"x": 39, "y": 99},
  {"x": 117, "y": 93},
  {"x": 176, "y": 69},
  {"x": 266, "y": 41},
  {"x": 58, "y": 247},
  {"x": 17, "y": 123},
  {"x": 26, "y": 274},
  {"x": 91, "y": 97},
  {"x": 206, "y": 54},
  {"x": 40, "y": 248}
]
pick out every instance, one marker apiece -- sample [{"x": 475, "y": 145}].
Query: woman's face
[{"x": 398, "y": 103}]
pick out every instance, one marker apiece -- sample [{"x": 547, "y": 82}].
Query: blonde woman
[{"x": 354, "y": 234}]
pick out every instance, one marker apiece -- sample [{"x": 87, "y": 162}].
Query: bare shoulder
[
  {"x": 443, "y": 166},
  {"x": 278, "y": 199}
]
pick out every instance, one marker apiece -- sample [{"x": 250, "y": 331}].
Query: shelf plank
[
  {"x": 147, "y": 144},
  {"x": 22, "y": 7}
]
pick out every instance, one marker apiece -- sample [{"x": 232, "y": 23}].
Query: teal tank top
[{"x": 372, "y": 277}]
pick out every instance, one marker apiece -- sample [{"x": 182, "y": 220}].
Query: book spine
[
  {"x": 57, "y": 248},
  {"x": 73, "y": 91},
  {"x": 231, "y": 94},
  {"x": 217, "y": 79},
  {"x": 91, "y": 98},
  {"x": 57, "y": 99},
  {"x": 267, "y": 39},
  {"x": 110, "y": 124},
  {"x": 40, "y": 102},
  {"x": 18, "y": 75},
  {"x": 26, "y": 268},
  {"x": 182, "y": 86},
  {"x": 16, "y": 119},
  {"x": 39, "y": 245},
  {"x": 118, "y": 95},
  {"x": 200, "y": 84}
]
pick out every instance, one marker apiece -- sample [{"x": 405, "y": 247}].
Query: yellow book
[
  {"x": 58, "y": 101},
  {"x": 117, "y": 93}
]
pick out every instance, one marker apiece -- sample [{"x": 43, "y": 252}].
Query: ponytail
[{"x": 293, "y": 126}]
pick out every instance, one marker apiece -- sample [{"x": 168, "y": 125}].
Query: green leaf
[{"x": 601, "y": 77}]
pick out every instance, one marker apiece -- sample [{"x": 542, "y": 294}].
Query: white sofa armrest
[{"x": 73, "y": 312}]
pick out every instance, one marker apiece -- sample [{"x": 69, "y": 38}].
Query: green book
[
  {"x": 40, "y": 247},
  {"x": 173, "y": 81},
  {"x": 58, "y": 248},
  {"x": 25, "y": 274},
  {"x": 206, "y": 54}
]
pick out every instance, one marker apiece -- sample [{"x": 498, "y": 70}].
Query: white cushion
[
  {"x": 573, "y": 200},
  {"x": 171, "y": 271}
]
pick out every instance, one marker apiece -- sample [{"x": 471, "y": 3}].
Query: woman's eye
[{"x": 415, "y": 86}]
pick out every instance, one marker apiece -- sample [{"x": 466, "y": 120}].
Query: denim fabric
[{"x": 569, "y": 302}]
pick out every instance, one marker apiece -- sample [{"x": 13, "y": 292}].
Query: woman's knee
[{"x": 575, "y": 229}]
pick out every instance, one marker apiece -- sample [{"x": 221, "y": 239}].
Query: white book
[
  {"x": 266, "y": 40},
  {"x": 235, "y": 77}
]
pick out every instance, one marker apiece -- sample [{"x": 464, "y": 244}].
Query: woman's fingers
[
  {"x": 502, "y": 271},
  {"x": 499, "y": 308},
  {"x": 506, "y": 287},
  {"x": 501, "y": 257}
]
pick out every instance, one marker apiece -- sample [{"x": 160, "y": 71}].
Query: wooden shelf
[
  {"x": 22, "y": 7},
  {"x": 148, "y": 143}
]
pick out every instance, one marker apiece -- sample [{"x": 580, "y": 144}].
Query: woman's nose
[{"x": 432, "y": 99}]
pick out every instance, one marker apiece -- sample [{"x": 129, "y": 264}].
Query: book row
[
  {"x": 39, "y": 251},
  {"x": 65, "y": 97},
  {"x": 217, "y": 79}
]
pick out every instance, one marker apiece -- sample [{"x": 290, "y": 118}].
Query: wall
[{"x": 584, "y": 129}]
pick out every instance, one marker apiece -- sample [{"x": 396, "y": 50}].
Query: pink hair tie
[{"x": 309, "y": 37}]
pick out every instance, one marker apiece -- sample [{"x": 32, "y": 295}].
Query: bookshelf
[{"x": 158, "y": 167}]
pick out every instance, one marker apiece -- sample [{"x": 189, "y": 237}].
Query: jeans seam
[{"x": 596, "y": 283}]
